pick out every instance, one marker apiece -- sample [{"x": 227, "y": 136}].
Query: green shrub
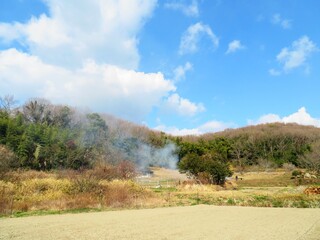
[
  {"x": 206, "y": 168},
  {"x": 296, "y": 173}
]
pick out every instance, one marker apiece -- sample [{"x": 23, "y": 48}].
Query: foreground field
[{"x": 195, "y": 222}]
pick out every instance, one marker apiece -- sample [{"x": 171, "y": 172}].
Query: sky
[{"x": 182, "y": 67}]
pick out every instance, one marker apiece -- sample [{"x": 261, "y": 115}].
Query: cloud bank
[
  {"x": 300, "y": 117},
  {"x": 102, "y": 30},
  {"x": 100, "y": 86},
  {"x": 208, "y": 127},
  {"x": 86, "y": 56}
]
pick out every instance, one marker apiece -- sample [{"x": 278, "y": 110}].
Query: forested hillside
[
  {"x": 43, "y": 136},
  {"x": 266, "y": 145}
]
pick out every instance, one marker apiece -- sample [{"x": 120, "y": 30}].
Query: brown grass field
[
  {"x": 193, "y": 222},
  {"x": 34, "y": 193}
]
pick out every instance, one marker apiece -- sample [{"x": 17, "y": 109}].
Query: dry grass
[
  {"x": 164, "y": 173},
  {"x": 29, "y": 191},
  {"x": 258, "y": 197},
  {"x": 260, "y": 189},
  {"x": 278, "y": 178},
  {"x": 53, "y": 193}
]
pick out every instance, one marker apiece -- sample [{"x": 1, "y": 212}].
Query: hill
[{"x": 43, "y": 136}]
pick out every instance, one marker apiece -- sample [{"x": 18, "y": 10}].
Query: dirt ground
[
  {"x": 195, "y": 222},
  {"x": 165, "y": 173}
]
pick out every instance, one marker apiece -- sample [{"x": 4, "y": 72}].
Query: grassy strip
[
  {"x": 53, "y": 212},
  {"x": 253, "y": 197}
]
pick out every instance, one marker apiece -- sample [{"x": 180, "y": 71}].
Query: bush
[
  {"x": 206, "y": 168},
  {"x": 8, "y": 160},
  {"x": 123, "y": 170},
  {"x": 289, "y": 167},
  {"x": 311, "y": 160},
  {"x": 266, "y": 164},
  {"x": 296, "y": 173}
]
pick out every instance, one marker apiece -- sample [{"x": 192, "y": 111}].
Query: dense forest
[{"x": 43, "y": 136}]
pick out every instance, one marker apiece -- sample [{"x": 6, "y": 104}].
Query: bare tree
[
  {"x": 7, "y": 103},
  {"x": 311, "y": 160},
  {"x": 239, "y": 151},
  {"x": 37, "y": 111}
]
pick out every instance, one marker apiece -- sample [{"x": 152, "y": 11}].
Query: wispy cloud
[
  {"x": 295, "y": 56},
  {"x": 180, "y": 71},
  {"x": 208, "y": 127},
  {"x": 182, "y": 106},
  {"x": 191, "y": 38},
  {"x": 190, "y": 10},
  {"x": 234, "y": 46},
  {"x": 278, "y": 20},
  {"x": 274, "y": 72}
]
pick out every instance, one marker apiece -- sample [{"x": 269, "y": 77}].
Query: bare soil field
[{"x": 194, "y": 222}]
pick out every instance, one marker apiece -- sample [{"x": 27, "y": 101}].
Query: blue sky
[{"x": 183, "y": 67}]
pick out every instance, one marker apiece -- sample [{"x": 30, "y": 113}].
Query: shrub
[
  {"x": 104, "y": 171},
  {"x": 311, "y": 160},
  {"x": 126, "y": 170},
  {"x": 8, "y": 160},
  {"x": 6, "y": 197},
  {"x": 206, "y": 168},
  {"x": 296, "y": 173},
  {"x": 289, "y": 167},
  {"x": 266, "y": 164}
]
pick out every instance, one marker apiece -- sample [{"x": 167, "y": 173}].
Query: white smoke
[{"x": 164, "y": 157}]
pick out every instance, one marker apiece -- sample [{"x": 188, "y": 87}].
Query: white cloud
[
  {"x": 215, "y": 126},
  {"x": 101, "y": 87},
  {"x": 278, "y": 20},
  {"x": 102, "y": 30},
  {"x": 234, "y": 46},
  {"x": 182, "y": 106},
  {"x": 268, "y": 118},
  {"x": 82, "y": 55},
  {"x": 274, "y": 72},
  {"x": 297, "y": 55},
  {"x": 191, "y": 38},
  {"x": 180, "y": 71},
  {"x": 178, "y": 132},
  {"x": 300, "y": 117},
  {"x": 208, "y": 127},
  {"x": 10, "y": 32},
  {"x": 190, "y": 10}
]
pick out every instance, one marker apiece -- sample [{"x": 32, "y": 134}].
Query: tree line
[
  {"x": 43, "y": 136},
  {"x": 269, "y": 145}
]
